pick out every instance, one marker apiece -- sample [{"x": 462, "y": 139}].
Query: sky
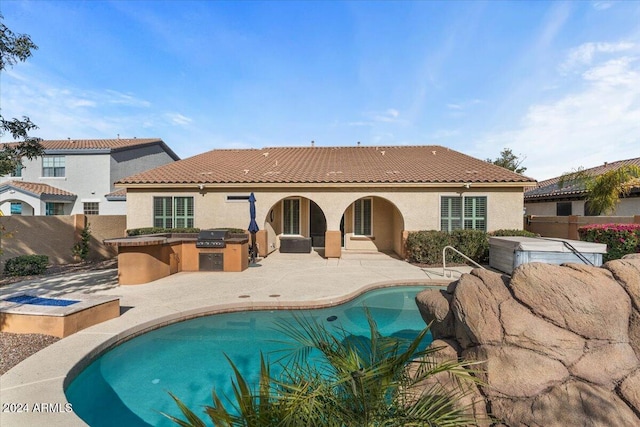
[{"x": 556, "y": 82}]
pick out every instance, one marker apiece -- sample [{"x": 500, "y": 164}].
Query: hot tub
[
  {"x": 506, "y": 253},
  {"x": 26, "y": 313}
]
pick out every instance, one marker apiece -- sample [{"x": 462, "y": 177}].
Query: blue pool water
[
  {"x": 128, "y": 386},
  {"x": 32, "y": 300}
]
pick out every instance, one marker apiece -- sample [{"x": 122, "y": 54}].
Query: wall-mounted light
[
  {"x": 201, "y": 187},
  {"x": 467, "y": 185}
]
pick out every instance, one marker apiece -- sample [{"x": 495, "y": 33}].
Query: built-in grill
[{"x": 212, "y": 239}]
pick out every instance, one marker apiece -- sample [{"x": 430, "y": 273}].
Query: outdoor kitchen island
[{"x": 143, "y": 259}]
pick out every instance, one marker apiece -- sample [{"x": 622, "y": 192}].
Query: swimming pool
[{"x": 129, "y": 385}]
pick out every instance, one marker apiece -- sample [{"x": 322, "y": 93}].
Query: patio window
[
  {"x": 52, "y": 208},
  {"x": 53, "y": 166},
  {"x": 291, "y": 216},
  {"x": 173, "y": 212},
  {"x": 362, "y": 217},
  {"x": 563, "y": 209},
  {"x": 463, "y": 212},
  {"x": 17, "y": 172},
  {"x": 16, "y": 208},
  {"x": 91, "y": 208}
]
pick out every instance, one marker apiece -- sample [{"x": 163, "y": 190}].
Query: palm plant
[
  {"x": 604, "y": 190},
  {"x": 331, "y": 379}
]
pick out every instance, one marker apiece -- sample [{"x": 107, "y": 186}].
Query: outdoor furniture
[{"x": 295, "y": 245}]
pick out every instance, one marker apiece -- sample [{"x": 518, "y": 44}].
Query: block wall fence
[{"x": 55, "y": 236}]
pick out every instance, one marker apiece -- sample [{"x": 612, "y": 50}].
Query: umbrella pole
[{"x": 253, "y": 248}]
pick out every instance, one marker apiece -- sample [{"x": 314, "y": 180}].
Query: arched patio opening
[
  {"x": 16, "y": 207},
  {"x": 295, "y": 216},
  {"x": 372, "y": 223}
]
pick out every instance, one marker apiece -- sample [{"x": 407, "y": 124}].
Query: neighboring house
[
  {"x": 549, "y": 198},
  {"x": 360, "y": 198},
  {"x": 77, "y": 176}
]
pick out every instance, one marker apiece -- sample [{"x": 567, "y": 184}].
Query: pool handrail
[{"x": 444, "y": 259}]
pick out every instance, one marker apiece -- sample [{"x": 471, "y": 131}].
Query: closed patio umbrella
[{"x": 253, "y": 226}]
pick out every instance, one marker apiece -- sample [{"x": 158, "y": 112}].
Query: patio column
[
  {"x": 262, "y": 241},
  {"x": 332, "y": 244}
]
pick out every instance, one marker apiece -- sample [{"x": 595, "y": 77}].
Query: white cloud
[
  {"x": 598, "y": 122},
  {"x": 602, "y": 5},
  {"x": 115, "y": 97},
  {"x": 62, "y": 111},
  {"x": 444, "y": 134},
  {"x": 178, "y": 119},
  {"x": 391, "y": 115},
  {"x": 585, "y": 53}
]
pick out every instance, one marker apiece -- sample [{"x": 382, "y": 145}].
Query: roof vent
[
  {"x": 358, "y": 143},
  {"x": 382, "y": 152},
  {"x": 313, "y": 144},
  {"x": 433, "y": 152},
  {"x": 265, "y": 154}
]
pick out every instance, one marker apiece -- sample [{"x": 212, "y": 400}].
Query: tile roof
[
  {"x": 100, "y": 144},
  {"x": 37, "y": 189},
  {"x": 550, "y": 188},
  {"x": 308, "y": 165},
  {"x": 119, "y": 194}
]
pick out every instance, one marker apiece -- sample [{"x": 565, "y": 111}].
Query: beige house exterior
[
  {"x": 548, "y": 198},
  {"x": 351, "y": 198}
]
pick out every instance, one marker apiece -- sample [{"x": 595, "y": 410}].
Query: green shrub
[
  {"x": 80, "y": 249},
  {"x": 621, "y": 239},
  {"x": 502, "y": 233},
  {"x": 26, "y": 265},
  {"x": 158, "y": 230},
  {"x": 232, "y": 230},
  {"x": 472, "y": 243},
  {"x": 425, "y": 247}
]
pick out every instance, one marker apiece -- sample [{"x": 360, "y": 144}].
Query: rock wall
[{"x": 560, "y": 345}]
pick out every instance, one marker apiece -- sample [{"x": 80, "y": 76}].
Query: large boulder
[
  {"x": 516, "y": 372},
  {"x": 573, "y": 403},
  {"x": 475, "y": 304},
  {"x": 559, "y": 345},
  {"x": 583, "y": 299},
  {"x": 627, "y": 272},
  {"x": 471, "y": 400},
  {"x": 435, "y": 308}
]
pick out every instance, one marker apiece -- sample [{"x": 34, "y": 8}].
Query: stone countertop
[{"x": 160, "y": 239}]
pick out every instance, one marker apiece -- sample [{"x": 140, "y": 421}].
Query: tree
[
  {"x": 16, "y": 48},
  {"x": 510, "y": 161},
  {"x": 356, "y": 381},
  {"x": 605, "y": 190}
]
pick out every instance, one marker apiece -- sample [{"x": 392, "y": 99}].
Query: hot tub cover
[{"x": 546, "y": 244}]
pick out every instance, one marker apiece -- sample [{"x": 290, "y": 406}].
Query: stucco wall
[
  {"x": 135, "y": 160},
  {"x": 566, "y": 227},
  {"x": 55, "y": 236},
  {"x": 626, "y": 207},
  {"x": 394, "y": 210}
]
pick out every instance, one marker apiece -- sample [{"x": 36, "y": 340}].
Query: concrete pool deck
[{"x": 278, "y": 281}]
